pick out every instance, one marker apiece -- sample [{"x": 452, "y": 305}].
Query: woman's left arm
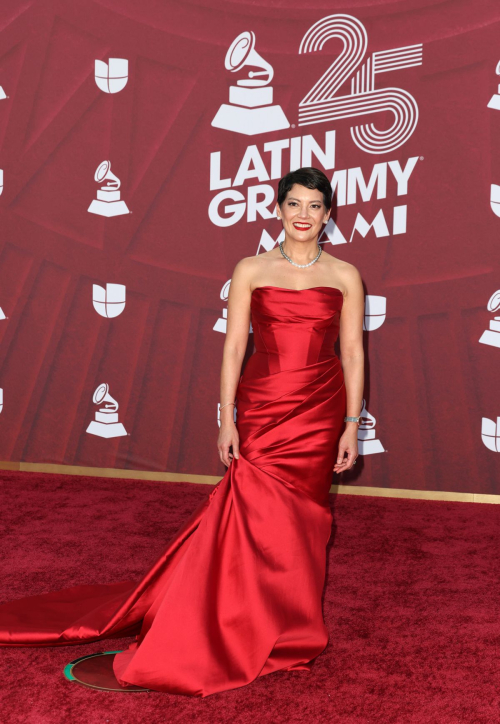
[{"x": 352, "y": 360}]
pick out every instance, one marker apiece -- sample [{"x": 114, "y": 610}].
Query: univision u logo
[
  {"x": 109, "y": 302},
  {"x": 490, "y": 433},
  {"x": 111, "y": 77}
]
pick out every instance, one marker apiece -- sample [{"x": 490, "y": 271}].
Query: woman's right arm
[{"x": 238, "y": 326}]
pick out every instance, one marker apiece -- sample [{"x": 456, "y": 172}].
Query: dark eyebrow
[{"x": 314, "y": 201}]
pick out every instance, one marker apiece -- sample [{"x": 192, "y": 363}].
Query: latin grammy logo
[
  {"x": 108, "y": 201},
  {"x": 109, "y": 302},
  {"x": 367, "y": 444},
  {"x": 331, "y": 233},
  {"x": 221, "y": 323},
  {"x": 2, "y": 315},
  {"x": 375, "y": 312},
  {"x": 111, "y": 77},
  {"x": 492, "y": 335},
  {"x": 250, "y": 110},
  {"x": 490, "y": 433},
  {"x": 106, "y": 418},
  {"x": 2, "y": 94},
  {"x": 495, "y": 99}
]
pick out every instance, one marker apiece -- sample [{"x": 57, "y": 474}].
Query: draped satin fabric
[{"x": 237, "y": 592}]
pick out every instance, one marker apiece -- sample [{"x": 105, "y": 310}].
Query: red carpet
[{"x": 412, "y": 604}]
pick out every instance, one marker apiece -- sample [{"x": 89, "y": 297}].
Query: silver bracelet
[
  {"x": 352, "y": 419},
  {"x": 227, "y": 403}
]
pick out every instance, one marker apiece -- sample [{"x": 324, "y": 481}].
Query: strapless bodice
[{"x": 294, "y": 327}]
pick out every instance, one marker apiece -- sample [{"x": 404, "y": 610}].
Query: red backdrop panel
[{"x": 428, "y": 246}]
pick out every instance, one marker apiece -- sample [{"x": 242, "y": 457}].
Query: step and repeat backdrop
[{"x": 140, "y": 149}]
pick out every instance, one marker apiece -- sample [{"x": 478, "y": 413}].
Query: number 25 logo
[{"x": 321, "y": 105}]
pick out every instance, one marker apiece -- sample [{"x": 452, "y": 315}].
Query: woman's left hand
[{"x": 348, "y": 445}]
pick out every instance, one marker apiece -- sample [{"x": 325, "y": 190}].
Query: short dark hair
[{"x": 311, "y": 178}]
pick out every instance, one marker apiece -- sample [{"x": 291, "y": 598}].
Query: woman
[{"x": 237, "y": 593}]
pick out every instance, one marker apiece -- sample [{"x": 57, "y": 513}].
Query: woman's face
[{"x": 303, "y": 213}]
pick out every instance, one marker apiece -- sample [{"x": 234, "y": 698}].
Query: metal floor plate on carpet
[{"x": 96, "y": 672}]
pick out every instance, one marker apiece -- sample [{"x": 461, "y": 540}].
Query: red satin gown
[{"x": 237, "y": 593}]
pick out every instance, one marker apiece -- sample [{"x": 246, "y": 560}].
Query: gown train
[{"x": 237, "y": 592}]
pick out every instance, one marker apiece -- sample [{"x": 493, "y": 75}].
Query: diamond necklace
[{"x": 301, "y": 266}]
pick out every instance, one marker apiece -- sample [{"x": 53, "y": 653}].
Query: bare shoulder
[
  {"x": 349, "y": 272},
  {"x": 351, "y": 279},
  {"x": 244, "y": 269},
  {"x": 250, "y": 266},
  {"x": 346, "y": 274}
]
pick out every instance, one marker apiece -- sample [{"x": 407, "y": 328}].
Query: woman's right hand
[{"x": 228, "y": 437}]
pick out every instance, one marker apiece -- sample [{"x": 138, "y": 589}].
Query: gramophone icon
[
  {"x": 221, "y": 323},
  {"x": 106, "y": 418},
  {"x": 492, "y": 335},
  {"x": 108, "y": 201},
  {"x": 367, "y": 444},
  {"x": 250, "y": 110}
]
